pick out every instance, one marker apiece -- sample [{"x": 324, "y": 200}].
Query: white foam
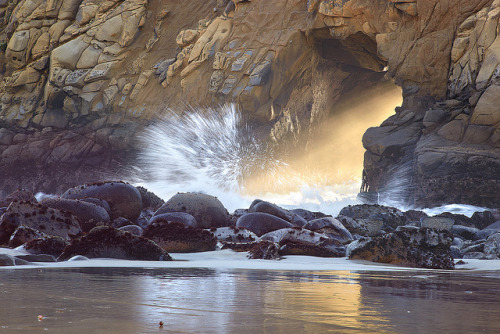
[{"x": 228, "y": 259}]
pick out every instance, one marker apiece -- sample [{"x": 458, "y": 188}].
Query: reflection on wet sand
[{"x": 119, "y": 300}]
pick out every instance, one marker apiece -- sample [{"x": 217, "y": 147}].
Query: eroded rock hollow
[{"x": 80, "y": 80}]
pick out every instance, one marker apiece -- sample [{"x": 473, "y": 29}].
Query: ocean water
[{"x": 218, "y": 300}]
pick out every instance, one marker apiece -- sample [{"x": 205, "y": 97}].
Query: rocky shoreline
[{"x": 120, "y": 221}]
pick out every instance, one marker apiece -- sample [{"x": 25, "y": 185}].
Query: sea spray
[
  {"x": 212, "y": 150},
  {"x": 203, "y": 150}
]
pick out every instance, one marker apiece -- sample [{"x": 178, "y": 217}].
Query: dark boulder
[
  {"x": 458, "y": 219},
  {"x": 310, "y": 242},
  {"x": 464, "y": 231},
  {"x": 22, "y": 235},
  {"x": 124, "y": 199},
  {"x": 482, "y": 219},
  {"x": 48, "y": 245},
  {"x": 107, "y": 242},
  {"x": 144, "y": 218},
  {"x": 492, "y": 245},
  {"x": 97, "y": 201},
  {"x": 19, "y": 195},
  {"x": 301, "y": 248},
  {"x": 134, "y": 229},
  {"x": 149, "y": 200},
  {"x": 414, "y": 216},
  {"x": 207, "y": 210},
  {"x": 353, "y": 226},
  {"x": 308, "y": 215},
  {"x": 180, "y": 217},
  {"x": 423, "y": 248},
  {"x": 176, "y": 237},
  {"x": 233, "y": 234},
  {"x": 85, "y": 211},
  {"x": 489, "y": 230},
  {"x": 331, "y": 227},
  {"x": 9, "y": 260},
  {"x": 389, "y": 216},
  {"x": 37, "y": 258},
  {"x": 262, "y": 223},
  {"x": 264, "y": 249},
  {"x": 273, "y": 209},
  {"x": 437, "y": 223},
  {"x": 39, "y": 217},
  {"x": 120, "y": 222}
]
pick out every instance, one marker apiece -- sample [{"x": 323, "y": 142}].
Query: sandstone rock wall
[{"x": 81, "y": 78}]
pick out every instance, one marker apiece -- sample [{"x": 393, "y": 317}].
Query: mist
[{"x": 334, "y": 152}]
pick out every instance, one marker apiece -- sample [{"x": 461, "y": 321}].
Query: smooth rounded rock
[
  {"x": 97, "y": 201},
  {"x": 107, "y": 242},
  {"x": 19, "y": 195},
  {"x": 233, "y": 234},
  {"x": 134, "y": 229},
  {"x": 85, "y": 211},
  {"x": 124, "y": 199},
  {"x": 181, "y": 217},
  {"x": 48, "y": 245},
  {"x": 39, "y": 217},
  {"x": 330, "y": 226},
  {"x": 437, "y": 223},
  {"x": 22, "y": 235},
  {"x": 120, "y": 222},
  {"x": 262, "y": 223},
  {"x": 175, "y": 237},
  {"x": 207, "y": 210},
  {"x": 492, "y": 245},
  {"x": 308, "y": 215}
]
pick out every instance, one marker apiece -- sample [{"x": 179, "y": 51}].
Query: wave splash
[{"x": 203, "y": 150}]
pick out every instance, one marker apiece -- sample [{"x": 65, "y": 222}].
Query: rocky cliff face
[{"x": 81, "y": 78}]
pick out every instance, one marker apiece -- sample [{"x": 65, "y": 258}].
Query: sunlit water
[{"x": 132, "y": 300}]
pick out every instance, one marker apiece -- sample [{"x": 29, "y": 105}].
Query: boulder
[
  {"x": 301, "y": 248},
  {"x": 261, "y": 223},
  {"x": 85, "y": 211},
  {"x": 482, "y": 219},
  {"x": 37, "y": 258},
  {"x": 207, "y": 210},
  {"x": 331, "y": 227},
  {"x": 233, "y": 234},
  {"x": 9, "y": 260},
  {"x": 120, "y": 222},
  {"x": 98, "y": 201},
  {"x": 39, "y": 217},
  {"x": 149, "y": 200},
  {"x": 422, "y": 248},
  {"x": 310, "y": 242},
  {"x": 144, "y": 218},
  {"x": 107, "y": 242},
  {"x": 366, "y": 213},
  {"x": 308, "y": 215},
  {"x": 492, "y": 245},
  {"x": 22, "y": 235},
  {"x": 176, "y": 237},
  {"x": 134, "y": 229},
  {"x": 124, "y": 199},
  {"x": 437, "y": 223},
  {"x": 181, "y": 217},
  {"x": 464, "y": 231},
  {"x": 353, "y": 226},
  {"x": 273, "y": 209},
  {"x": 20, "y": 195},
  {"x": 266, "y": 250},
  {"x": 47, "y": 245}
]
